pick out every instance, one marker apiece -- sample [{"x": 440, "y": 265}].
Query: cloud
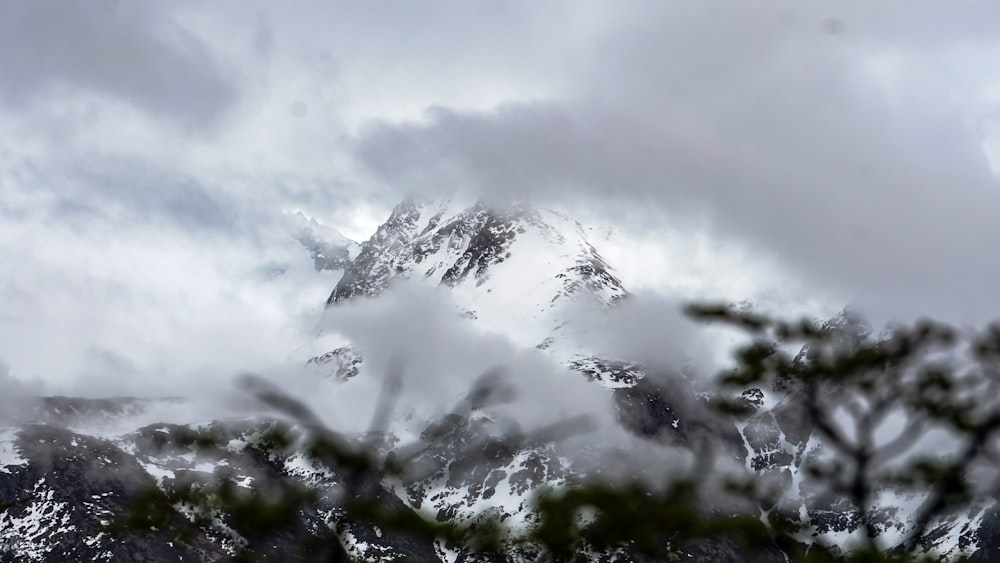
[
  {"x": 840, "y": 146},
  {"x": 441, "y": 354},
  {"x": 134, "y": 191},
  {"x": 651, "y": 329},
  {"x": 147, "y": 310},
  {"x": 14, "y": 388},
  {"x": 132, "y": 51},
  {"x": 840, "y": 153}
]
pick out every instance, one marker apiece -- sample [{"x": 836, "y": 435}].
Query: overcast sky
[{"x": 840, "y": 152}]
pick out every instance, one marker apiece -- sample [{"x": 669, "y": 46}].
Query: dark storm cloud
[
  {"x": 128, "y": 50},
  {"x": 763, "y": 121}
]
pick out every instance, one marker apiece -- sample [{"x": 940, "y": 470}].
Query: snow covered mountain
[
  {"x": 484, "y": 255},
  {"x": 69, "y": 465},
  {"x": 525, "y": 273}
]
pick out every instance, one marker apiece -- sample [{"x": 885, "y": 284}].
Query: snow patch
[{"x": 10, "y": 452}]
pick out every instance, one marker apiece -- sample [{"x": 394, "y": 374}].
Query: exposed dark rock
[{"x": 341, "y": 363}]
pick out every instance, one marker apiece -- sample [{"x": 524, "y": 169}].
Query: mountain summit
[
  {"x": 529, "y": 274},
  {"x": 507, "y": 266}
]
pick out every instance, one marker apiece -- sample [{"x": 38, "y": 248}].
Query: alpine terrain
[{"x": 71, "y": 467}]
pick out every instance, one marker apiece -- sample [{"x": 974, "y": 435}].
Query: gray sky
[{"x": 840, "y": 153}]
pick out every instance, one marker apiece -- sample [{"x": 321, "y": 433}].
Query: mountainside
[
  {"x": 67, "y": 469},
  {"x": 506, "y": 266},
  {"x": 521, "y": 272},
  {"x": 61, "y": 488}
]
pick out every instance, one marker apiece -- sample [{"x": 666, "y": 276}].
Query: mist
[
  {"x": 440, "y": 354},
  {"x": 802, "y": 158}
]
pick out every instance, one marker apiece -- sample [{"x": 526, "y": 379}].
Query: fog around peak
[{"x": 804, "y": 157}]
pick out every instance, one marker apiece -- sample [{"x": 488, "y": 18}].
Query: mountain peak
[
  {"x": 511, "y": 267},
  {"x": 450, "y": 245}
]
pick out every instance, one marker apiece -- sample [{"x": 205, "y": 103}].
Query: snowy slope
[{"x": 524, "y": 273}]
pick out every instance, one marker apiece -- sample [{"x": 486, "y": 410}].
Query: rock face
[
  {"x": 64, "y": 476},
  {"x": 340, "y": 363}
]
